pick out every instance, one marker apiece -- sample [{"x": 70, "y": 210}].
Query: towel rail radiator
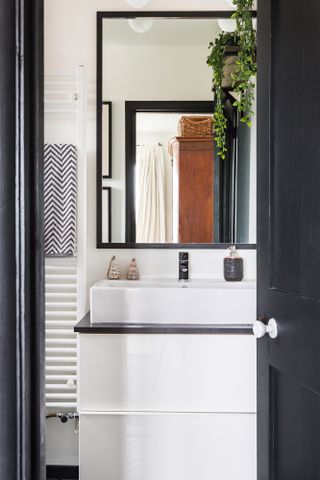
[
  {"x": 61, "y": 341},
  {"x": 65, "y": 277}
]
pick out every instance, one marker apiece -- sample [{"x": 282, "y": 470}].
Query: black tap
[{"x": 183, "y": 266}]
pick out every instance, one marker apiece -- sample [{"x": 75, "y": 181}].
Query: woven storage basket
[{"x": 195, "y": 126}]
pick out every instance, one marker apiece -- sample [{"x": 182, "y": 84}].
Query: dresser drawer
[
  {"x": 168, "y": 446},
  {"x": 167, "y": 373}
]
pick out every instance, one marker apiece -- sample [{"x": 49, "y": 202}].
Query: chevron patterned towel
[{"x": 60, "y": 199}]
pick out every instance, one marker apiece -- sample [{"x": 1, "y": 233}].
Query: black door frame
[
  {"x": 264, "y": 402},
  {"x": 22, "y": 400},
  {"x": 131, "y": 110}
]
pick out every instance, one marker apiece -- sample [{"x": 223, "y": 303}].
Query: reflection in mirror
[
  {"x": 168, "y": 183},
  {"x": 168, "y": 204},
  {"x": 106, "y": 218},
  {"x": 106, "y": 139}
]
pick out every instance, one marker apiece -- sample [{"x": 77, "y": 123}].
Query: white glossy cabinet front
[
  {"x": 167, "y": 373},
  {"x": 167, "y": 447},
  {"x": 167, "y": 407}
]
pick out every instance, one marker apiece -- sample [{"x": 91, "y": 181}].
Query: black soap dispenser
[{"x": 233, "y": 266}]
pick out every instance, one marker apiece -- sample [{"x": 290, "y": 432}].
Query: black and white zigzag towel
[{"x": 60, "y": 199}]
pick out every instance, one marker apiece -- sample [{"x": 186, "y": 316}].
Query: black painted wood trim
[
  {"x": 36, "y": 281},
  {"x": 131, "y": 109},
  {"x": 99, "y": 60},
  {"x": 264, "y": 138},
  {"x": 171, "y": 14},
  {"x": 110, "y": 139},
  {"x": 30, "y": 241},
  {"x": 100, "y": 140},
  {"x": 130, "y": 149},
  {"x": 84, "y": 326},
  {"x": 22, "y": 399},
  {"x": 8, "y": 366},
  {"x": 179, "y": 246},
  {"x": 109, "y": 190},
  {"x": 62, "y": 472}
]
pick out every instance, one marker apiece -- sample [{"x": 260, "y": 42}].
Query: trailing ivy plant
[
  {"x": 245, "y": 38},
  {"x": 246, "y": 66},
  {"x": 216, "y": 61}
]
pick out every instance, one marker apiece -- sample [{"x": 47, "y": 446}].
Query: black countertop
[{"x": 84, "y": 326}]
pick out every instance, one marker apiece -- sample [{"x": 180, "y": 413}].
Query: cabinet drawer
[
  {"x": 167, "y": 373},
  {"x": 167, "y": 446}
]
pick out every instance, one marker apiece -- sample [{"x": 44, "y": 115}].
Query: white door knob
[{"x": 260, "y": 329}]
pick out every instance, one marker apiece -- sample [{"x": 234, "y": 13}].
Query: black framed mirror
[{"x": 160, "y": 58}]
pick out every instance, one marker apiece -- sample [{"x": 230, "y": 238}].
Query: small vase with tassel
[
  {"x": 133, "y": 272},
  {"x": 114, "y": 269}
]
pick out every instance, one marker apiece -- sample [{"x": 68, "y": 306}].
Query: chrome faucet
[{"x": 183, "y": 266}]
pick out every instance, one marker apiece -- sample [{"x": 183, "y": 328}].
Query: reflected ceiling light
[
  {"x": 227, "y": 24},
  {"x": 137, "y": 3},
  {"x": 141, "y": 24}
]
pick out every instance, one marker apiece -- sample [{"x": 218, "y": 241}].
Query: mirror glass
[{"x": 160, "y": 180}]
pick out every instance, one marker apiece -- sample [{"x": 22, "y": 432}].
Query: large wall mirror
[{"x": 160, "y": 182}]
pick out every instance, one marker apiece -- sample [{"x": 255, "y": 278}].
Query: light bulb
[
  {"x": 137, "y": 3},
  {"x": 141, "y": 24}
]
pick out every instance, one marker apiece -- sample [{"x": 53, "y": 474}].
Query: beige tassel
[
  {"x": 133, "y": 272},
  {"x": 113, "y": 270}
]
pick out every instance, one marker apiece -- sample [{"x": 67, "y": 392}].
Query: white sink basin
[{"x": 171, "y": 301}]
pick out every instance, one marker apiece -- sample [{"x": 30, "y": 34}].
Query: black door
[{"x": 289, "y": 239}]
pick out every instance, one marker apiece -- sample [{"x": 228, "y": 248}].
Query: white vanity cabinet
[
  {"x": 167, "y": 446},
  {"x": 167, "y": 407}
]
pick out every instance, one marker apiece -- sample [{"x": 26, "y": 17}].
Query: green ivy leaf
[{"x": 245, "y": 69}]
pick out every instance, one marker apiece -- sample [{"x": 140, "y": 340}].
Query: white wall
[
  {"x": 156, "y": 73},
  {"x": 70, "y": 39},
  {"x": 61, "y": 442}
]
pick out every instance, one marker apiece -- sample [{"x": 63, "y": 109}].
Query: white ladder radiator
[
  {"x": 61, "y": 341},
  {"x": 65, "y": 277}
]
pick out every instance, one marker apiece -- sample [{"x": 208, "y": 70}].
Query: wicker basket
[{"x": 192, "y": 126}]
